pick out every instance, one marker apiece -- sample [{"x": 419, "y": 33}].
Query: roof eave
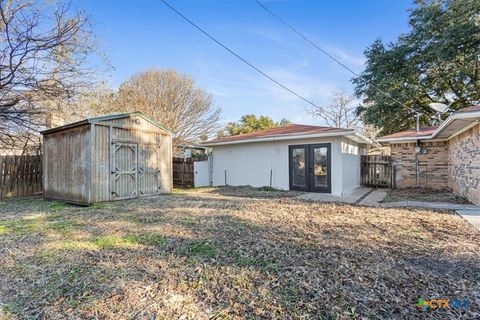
[
  {"x": 67, "y": 126},
  {"x": 280, "y": 138},
  {"x": 104, "y": 118},
  {"x": 456, "y": 116},
  {"x": 432, "y": 136},
  {"x": 404, "y": 139}
]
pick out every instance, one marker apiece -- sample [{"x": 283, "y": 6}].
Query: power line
[
  {"x": 327, "y": 54},
  {"x": 245, "y": 61},
  {"x": 305, "y": 38}
]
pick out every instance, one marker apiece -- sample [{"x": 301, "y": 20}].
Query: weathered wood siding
[
  {"x": 107, "y": 160},
  {"x": 101, "y": 164},
  {"x": 134, "y": 122},
  {"x": 20, "y": 176},
  {"x": 166, "y": 167},
  {"x": 66, "y": 165},
  {"x": 154, "y": 149}
]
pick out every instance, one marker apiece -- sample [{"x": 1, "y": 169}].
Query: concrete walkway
[
  {"x": 472, "y": 216},
  {"x": 373, "y": 199},
  {"x": 326, "y": 197}
]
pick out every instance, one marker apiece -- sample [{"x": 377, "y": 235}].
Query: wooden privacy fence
[
  {"x": 20, "y": 176},
  {"x": 183, "y": 172},
  {"x": 377, "y": 171}
]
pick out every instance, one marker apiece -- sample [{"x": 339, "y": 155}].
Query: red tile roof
[
  {"x": 425, "y": 131},
  {"x": 291, "y": 129}
]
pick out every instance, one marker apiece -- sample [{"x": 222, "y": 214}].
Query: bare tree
[
  {"x": 98, "y": 101},
  {"x": 341, "y": 111},
  {"x": 172, "y": 99},
  {"x": 43, "y": 51}
]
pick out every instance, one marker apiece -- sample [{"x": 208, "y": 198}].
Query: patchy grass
[
  {"x": 233, "y": 253},
  {"x": 56, "y": 206},
  {"x": 201, "y": 249},
  {"x": 111, "y": 242},
  {"x": 20, "y": 226},
  {"x": 422, "y": 194}
]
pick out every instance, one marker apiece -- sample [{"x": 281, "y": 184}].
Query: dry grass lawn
[
  {"x": 230, "y": 254},
  {"x": 422, "y": 194}
]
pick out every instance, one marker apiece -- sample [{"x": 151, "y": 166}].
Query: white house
[{"x": 292, "y": 157}]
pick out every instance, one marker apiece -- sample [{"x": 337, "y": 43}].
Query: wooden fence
[
  {"x": 183, "y": 172},
  {"x": 377, "y": 171},
  {"x": 20, "y": 176}
]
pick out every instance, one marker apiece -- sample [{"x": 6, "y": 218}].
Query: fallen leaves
[{"x": 234, "y": 253}]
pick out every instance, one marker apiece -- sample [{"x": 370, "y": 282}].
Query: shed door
[
  {"x": 124, "y": 175},
  {"x": 148, "y": 171}
]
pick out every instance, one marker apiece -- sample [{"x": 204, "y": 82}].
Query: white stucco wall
[
  {"x": 250, "y": 164},
  {"x": 350, "y": 165}
]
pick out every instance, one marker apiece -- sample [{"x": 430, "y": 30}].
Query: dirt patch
[
  {"x": 204, "y": 255},
  {"x": 421, "y": 194}
]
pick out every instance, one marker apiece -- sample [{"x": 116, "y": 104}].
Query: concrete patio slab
[
  {"x": 374, "y": 198},
  {"x": 472, "y": 216},
  {"x": 352, "y": 197}
]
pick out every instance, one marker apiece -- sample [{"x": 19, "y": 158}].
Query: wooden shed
[{"x": 107, "y": 158}]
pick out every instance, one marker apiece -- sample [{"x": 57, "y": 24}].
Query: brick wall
[
  {"x": 464, "y": 160},
  {"x": 433, "y": 166}
]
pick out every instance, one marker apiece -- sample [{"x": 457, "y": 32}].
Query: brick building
[{"x": 441, "y": 157}]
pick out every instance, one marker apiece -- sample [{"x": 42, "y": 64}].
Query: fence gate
[
  {"x": 183, "y": 175},
  {"x": 377, "y": 171},
  {"x": 124, "y": 175},
  {"x": 201, "y": 175}
]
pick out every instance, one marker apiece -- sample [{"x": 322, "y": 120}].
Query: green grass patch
[
  {"x": 148, "y": 239},
  {"x": 189, "y": 221},
  {"x": 72, "y": 286},
  {"x": 55, "y": 216},
  {"x": 56, "y": 206},
  {"x": 112, "y": 242},
  {"x": 49, "y": 254},
  {"x": 19, "y": 226},
  {"x": 97, "y": 206},
  {"x": 75, "y": 245},
  {"x": 246, "y": 261},
  {"x": 28, "y": 202},
  {"x": 3, "y": 229},
  {"x": 133, "y": 219},
  {"x": 58, "y": 223},
  {"x": 201, "y": 249},
  {"x": 64, "y": 227}
]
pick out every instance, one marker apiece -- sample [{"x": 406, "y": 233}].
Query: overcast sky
[{"x": 137, "y": 35}]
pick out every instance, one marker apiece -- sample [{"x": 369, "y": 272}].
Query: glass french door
[{"x": 310, "y": 167}]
